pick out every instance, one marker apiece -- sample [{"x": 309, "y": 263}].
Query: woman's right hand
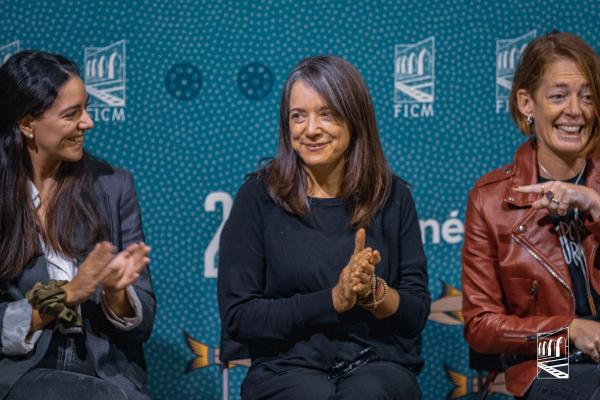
[
  {"x": 343, "y": 295},
  {"x": 126, "y": 267},
  {"x": 585, "y": 335},
  {"x": 92, "y": 271}
]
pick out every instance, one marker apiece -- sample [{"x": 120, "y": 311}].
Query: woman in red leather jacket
[{"x": 529, "y": 260}]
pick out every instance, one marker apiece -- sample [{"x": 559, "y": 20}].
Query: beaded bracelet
[
  {"x": 49, "y": 298},
  {"x": 372, "y": 295},
  {"x": 371, "y": 292}
]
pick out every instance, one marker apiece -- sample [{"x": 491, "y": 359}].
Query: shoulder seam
[{"x": 496, "y": 175}]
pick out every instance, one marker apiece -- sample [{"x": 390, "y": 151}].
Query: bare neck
[
  {"x": 325, "y": 182},
  {"x": 43, "y": 174},
  {"x": 555, "y": 167}
]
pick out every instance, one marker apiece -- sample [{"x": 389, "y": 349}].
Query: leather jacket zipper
[
  {"x": 533, "y": 296},
  {"x": 529, "y": 337},
  {"x": 546, "y": 266},
  {"x": 518, "y": 335},
  {"x": 533, "y": 292}
]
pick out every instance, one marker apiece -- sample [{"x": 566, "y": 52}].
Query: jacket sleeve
[
  {"x": 488, "y": 326},
  {"x": 125, "y": 323},
  {"x": 130, "y": 230},
  {"x": 415, "y": 300},
  {"x": 15, "y": 322},
  {"x": 246, "y": 312}
]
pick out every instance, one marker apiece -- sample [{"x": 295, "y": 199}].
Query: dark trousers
[
  {"x": 583, "y": 384},
  {"x": 377, "y": 380},
  {"x": 53, "y": 384}
]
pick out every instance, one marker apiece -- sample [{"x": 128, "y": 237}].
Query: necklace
[{"x": 544, "y": 170}]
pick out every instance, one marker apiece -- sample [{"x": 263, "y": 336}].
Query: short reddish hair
[{"x": 539, "y": 54}]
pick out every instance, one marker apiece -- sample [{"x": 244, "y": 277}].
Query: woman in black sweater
[{"x": 321, "y": 268}]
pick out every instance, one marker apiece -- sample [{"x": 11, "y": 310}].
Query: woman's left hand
[
  {"x": 363, "y": 273},
  {"x": 559, "y": 197},
  {"x": 126, "y": 267}
]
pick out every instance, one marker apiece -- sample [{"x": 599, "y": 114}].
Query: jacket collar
[{"x": 525, "y": 172}]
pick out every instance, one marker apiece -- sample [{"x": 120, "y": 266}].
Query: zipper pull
[{"x": 534, "y": 287}]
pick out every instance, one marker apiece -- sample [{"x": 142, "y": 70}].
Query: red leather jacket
[{"x": 515, "y": 280}]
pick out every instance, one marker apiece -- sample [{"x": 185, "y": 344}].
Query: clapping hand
[
  {"x": 355, "y": 278},
  {"x": 102, "y": 268},
  {"x": 363, "y": 274},
  {"x": 91, "y": 272},
  {"x": 126, "y": 267}
]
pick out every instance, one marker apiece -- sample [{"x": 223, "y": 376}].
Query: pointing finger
[{"x": 537, "y": 188}]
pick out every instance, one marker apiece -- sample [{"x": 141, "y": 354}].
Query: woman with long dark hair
[
  {"x": 75, "y": 296},
  {"x": 322, "y": 275}
]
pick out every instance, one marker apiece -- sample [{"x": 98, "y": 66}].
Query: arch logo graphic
[
  {"x": 414, "y": 79},
  {"x": 508, "y": 54},
  {"x": 553, "y": 354},
  {"x": 105, "y": 81},
  {"x": 8, "y": 50}
]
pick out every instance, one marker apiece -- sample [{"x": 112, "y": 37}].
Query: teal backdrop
[{"x": 185, "y": 94}]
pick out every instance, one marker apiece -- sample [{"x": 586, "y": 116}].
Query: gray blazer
[{"x": 117, "y": 355}]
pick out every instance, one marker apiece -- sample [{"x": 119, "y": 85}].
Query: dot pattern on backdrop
[
  {"x": 255, "y": 81},
  {"x": 183, "y": 81},
  {"x": 183, "y": 142}
]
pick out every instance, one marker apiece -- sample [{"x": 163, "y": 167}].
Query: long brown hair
[
  {"x": 29, "y": 83},
  {"x": 539, "y": 54},
  {"x": 367, "y": 178}
]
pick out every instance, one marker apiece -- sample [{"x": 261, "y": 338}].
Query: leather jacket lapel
[
  {"x": 590, "y": 243},
  {"x": 531, "y": 230}
]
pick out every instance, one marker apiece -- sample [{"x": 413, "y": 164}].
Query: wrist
[
  {"x": 573, "y": 329},
  {"x": 50, "y": 299},
  {"x": 340, "y": 303},
  {"x": 594, "y": 208},
  {"x": 595, "y": 212},
  {"x": 378, "y": 294},
  {"x": 114, "y": 294},
  {"x": 72, "y": 295}
]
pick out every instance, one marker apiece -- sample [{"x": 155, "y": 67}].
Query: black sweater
[{"x": 276, "y": 272}]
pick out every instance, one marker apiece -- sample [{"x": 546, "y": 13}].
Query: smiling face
[
  {"x": 318, "y": 136},
  {"x": 562, "y": 110},
  {"x": 58, "y": 134}
]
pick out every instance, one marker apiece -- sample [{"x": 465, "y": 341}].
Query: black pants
[
  {"x": 53, "y": 384},
  {"x": 583, "y": 384},
  {"x": 377, "y": 380}
]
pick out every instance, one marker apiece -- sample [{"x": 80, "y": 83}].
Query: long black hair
[{"x": 29, "y": 84}]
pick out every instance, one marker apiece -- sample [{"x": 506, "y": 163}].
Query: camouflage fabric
[{"x": 49, "y": 299}]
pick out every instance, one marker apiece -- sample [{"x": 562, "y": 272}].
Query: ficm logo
[
  {"x": 508, "y": 53},
  {"x": 8, "y": 50},
  {"x": 414, "y": 79},
  {"x": 553, "y": 354},
  {"x": 105, "y": 81}
]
